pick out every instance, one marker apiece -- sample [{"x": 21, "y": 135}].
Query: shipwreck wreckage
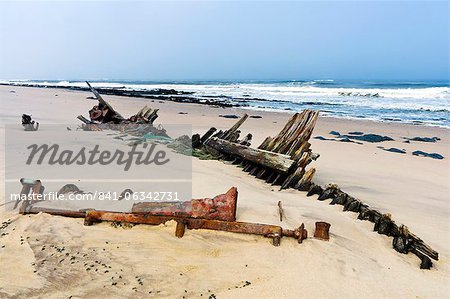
[{"x": 281, "y": 161}]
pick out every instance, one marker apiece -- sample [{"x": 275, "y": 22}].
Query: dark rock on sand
[
  {"x": 229, "y": 116},
  {"x": 369, "y": 137},
  {"x": 430, "y": 155},
  {"x": 335, "y": 133},
  {"x": 182, "y": 112},
  {"x": 255, "y": 116},
  {"x": 393, "y": 150},
  {"x": 345, "y": 139},
  {"x": 341, "y": 199},
  {"x": 315, "y": 189},
  {"x": 339, "y": 138},
  {"x": 330, "y": 192},
  {"x": 423, "y": 139},
  {"x": 352, "y": 204},
  {"x": 356, "y": 133}
]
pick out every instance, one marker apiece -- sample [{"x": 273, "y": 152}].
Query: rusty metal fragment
[
  {"x": 322, "y": 231},
  {"x": 221, "y": 207},
  {"x": 30, "y": 189},
  {"x": 186, "y": 214},
  {"x": 28, "y": 209}
]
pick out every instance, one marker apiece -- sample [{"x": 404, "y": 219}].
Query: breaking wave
[{"x": 413, "y": 102}]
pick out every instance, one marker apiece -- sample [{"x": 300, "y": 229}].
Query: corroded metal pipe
[{"x": 270, "y": 231}]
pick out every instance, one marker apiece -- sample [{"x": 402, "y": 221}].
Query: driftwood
[
  {"x": 280, "y": 160},
  {"x": 107, "y": 111},
  {"x": 277, "y": 162},
  {"x": 305, "y": 182},
  {"x": 280, "y": 210},
  {"x": 84, "y": 120},
  {"x": 104, "y": 113},
  {"x": 403, "y": 240}
]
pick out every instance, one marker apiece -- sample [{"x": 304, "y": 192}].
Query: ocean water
[{"x": 426, "y": 102}]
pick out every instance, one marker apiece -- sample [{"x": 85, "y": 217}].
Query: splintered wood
[
  {"x": 281, "y": 160},
  {"x": 104, "y": 113}
]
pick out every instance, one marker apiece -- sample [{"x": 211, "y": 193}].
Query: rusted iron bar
[
  {"x": 270, "y": 231},
  {"x": 221, "y": 207},
  {"x": 56, "y": 212}
]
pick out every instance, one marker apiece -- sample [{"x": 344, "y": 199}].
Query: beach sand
[{"x": 55, "y": 257}]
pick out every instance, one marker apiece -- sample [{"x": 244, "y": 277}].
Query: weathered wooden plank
[
  {"x": 277, "y": 162},
  {"x": 102, "y": 101},
  {"x": 234, "y": 128}
]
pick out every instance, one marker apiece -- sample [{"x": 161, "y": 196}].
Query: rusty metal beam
[
  {"x": 56, "y": 212},
  {"x": 270, "y": 231}
]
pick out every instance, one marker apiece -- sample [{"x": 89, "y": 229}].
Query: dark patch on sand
[
  {"x": 393, "y": 150},
  {"x": 369, "y": 137},
  {"x": 360, "y": 136},
  {"x": 423, "y": 139},
  {"x": 339, "y": 139},
  {"x": 356, "y": 133},
  {"x": 228, "y": 116},
  {"x": 430, "y": 155},
  {"x": 335, "y": 133}
]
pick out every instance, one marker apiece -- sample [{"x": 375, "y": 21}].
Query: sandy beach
[{"x": 47, "y": 256}]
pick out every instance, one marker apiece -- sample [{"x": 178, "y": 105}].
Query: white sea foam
[{"x": 358, "y": 101}]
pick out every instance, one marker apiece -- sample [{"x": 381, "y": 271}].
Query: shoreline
[{"x": 178, "y": 96}]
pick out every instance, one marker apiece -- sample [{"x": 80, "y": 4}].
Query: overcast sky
[{"x": 384, "y": 40}]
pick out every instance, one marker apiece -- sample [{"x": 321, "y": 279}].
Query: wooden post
[
  {"x": 280, "y": 210},
  {"x": 305, "y": 182},
  {"x": 234, "y": 128}
]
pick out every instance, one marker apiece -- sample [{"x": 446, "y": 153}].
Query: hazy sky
[{"x": 406, "y": 40}]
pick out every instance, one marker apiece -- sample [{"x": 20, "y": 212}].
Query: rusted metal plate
[
  {"x": 322, "y": 231},
  {"x": 221, "y": 207}
]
